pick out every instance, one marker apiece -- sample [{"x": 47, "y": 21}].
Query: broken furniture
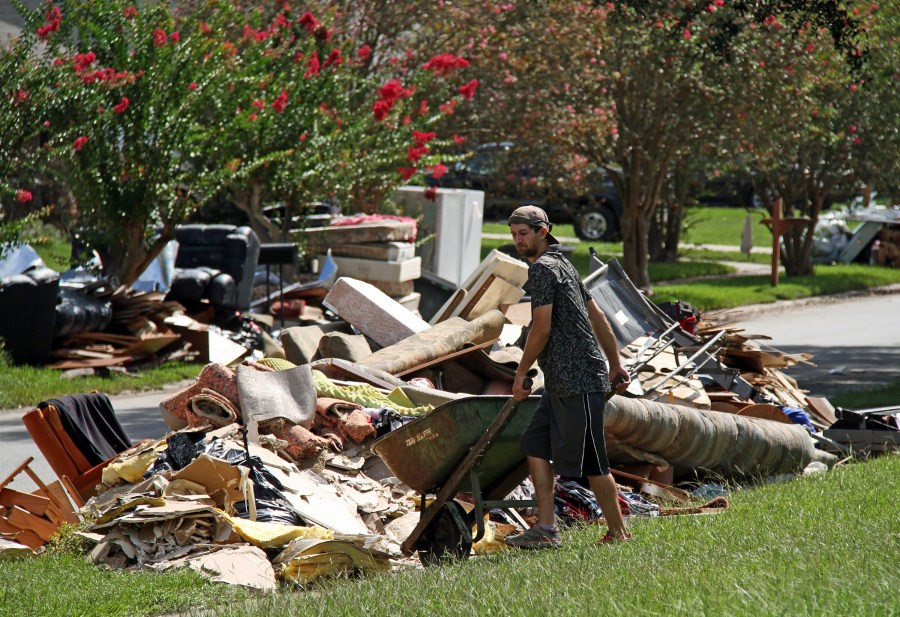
[
  {"x": 28, "y": 313},
  {"x": 215, "y": 263},
  {"x": 78, "y": 435},
  {"x": 32, "y": 518}
]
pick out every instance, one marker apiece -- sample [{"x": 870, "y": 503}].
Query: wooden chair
[{"x": 71, "y": 466}]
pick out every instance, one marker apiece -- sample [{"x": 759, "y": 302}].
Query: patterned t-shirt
[{"x": 572, "y": 360}]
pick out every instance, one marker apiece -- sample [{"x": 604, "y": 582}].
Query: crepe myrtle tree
[
  {"x": 121, "y": 127},
  {"x": 153, "y": 110},
  {"x": 307, "y": 102},
  {"x": 809, "y": 150}
]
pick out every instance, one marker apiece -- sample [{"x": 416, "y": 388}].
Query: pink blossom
[
  {"x": 192, "y": 86},
  {"x": 159, "y": 37},
  {"x": 130, "y": 12},
  {"x": 175, "y": 37},
  {"x": 448, "y": 108},
  {"x": 423, "y": 107},
  {"x": 686, "y": 34},
  {"x": 122, "y": 106},
  {"x": 23, "y": 196},
  {"x": 80, "y": 143},
  {"x": 364, "y": 53},
  {"x": 458, "y": 139}
]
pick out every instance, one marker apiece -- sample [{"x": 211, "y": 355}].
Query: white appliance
[{"x": 453, "y": 219}]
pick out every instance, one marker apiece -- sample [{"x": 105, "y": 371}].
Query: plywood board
[
  {"x": 498, "y": 292},
  {"x": 382, "y": 251},
  {"x": 374, "y": 270}
]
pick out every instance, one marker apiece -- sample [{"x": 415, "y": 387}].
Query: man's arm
[
  {"x": 534, "y": 345},
  {"x": 607, "y": 339}
]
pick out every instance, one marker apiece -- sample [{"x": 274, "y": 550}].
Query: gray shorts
[{"x": 568, "y": 432}]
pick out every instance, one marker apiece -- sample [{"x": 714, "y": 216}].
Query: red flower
[
  {"x": 129, "y": 12},
  {"x": 252, "y": 117},
  {"x": 192, "y": 86},
  {"x": 258, "y": 104},
  {"x": 304, "y": 136},
  {"x": 468, "y": 91},
  {"x": 205, "y": 28},
  {"x": 159, "y": 37},
  {"x": 414, "y": 154},
  {"x": 430, "y": 193},
  {"x": 309, "y": 22},
  {"x": 438, "y": 170},
  {"x": 448, "y": 108},
  {"x": 364, "y": 53},
  {"x": 391, "y": 91},
  {"x": 407, "y": 172},
  {"x": 406, "y": 120},
  {"x": 334, "y": 58},
  {"x": 443, "y": 64},
  {"x": 423, "y": 107},
  {"x": 52, "y": 18},
  {"x": 23, "y": 196},
  {"x": 686, "y": 34},
  {"x": 175, "y": 37},
  {"x": 20, "y": 97},
  {"x": 312, "y": 66},
  {"x": 121, "y": 107},
  {"x": 458, "y": 139},
  {"x": 82, "y": 61},
  {"x": 381, "y": 109},
  {"x": 80, "y": 143},
  {"x": 279, "y": 103},
  {"x": 422, "y": 137}
]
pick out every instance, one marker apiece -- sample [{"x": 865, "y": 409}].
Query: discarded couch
[
  {"x": 27, "y": 313},
  {"x": 215, "y": 263}
]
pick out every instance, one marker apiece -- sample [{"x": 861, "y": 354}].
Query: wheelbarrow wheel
[{"x": 449, "y": 536}]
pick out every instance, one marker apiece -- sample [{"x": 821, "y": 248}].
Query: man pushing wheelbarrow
[{"x": 567, "y": 332}]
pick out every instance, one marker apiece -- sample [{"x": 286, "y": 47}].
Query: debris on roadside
[{"x": 276, "y": 467}]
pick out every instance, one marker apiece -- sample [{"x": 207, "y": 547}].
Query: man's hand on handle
[
  {"x": 619, "y": 379},
  {"x": 522, "y": 387}
]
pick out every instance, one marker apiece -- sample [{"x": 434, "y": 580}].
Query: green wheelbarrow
[{"x": 466, "y": 445}]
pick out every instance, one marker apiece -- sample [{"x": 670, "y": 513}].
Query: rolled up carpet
[
  {"x": 214, "y": 408},
  {"x": 437, "y": 341}
]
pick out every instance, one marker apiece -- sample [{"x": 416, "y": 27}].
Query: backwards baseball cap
[{"x": 534, "y": 217}]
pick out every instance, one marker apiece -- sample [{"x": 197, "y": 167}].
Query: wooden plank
[
  {"x": 446, "y": 311},
  {"x": 72, "y": 490},
  {"x": 17, "y": 471},
  {"x": 26, "y": 521},
  {"x": 382, "y": 251},
  {"x": 674, "y": 493},
  {"x": 58, "y": 494},
  {"x": 36, "y": 504},
  {"x": 22, "y": 536},
  {"x": 373, "y": 270},
  {"x": 822, "y": 407},
  {"x": 497, "y": 292},
  {"x": 473, "y": 297}
]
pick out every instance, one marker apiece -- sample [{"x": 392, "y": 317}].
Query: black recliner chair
[
  {"x": 28, "y": 314},
  {"x": 216, "y": 263}
]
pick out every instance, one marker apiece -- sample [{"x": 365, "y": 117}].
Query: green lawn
[
  {"x": 26, "y": 386},
  {"x": 742, "y": 290},
  {"x": 819, "y": 545}
]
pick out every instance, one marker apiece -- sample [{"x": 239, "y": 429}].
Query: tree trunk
[
  {"x": 635, "y": 231},
  {"x": 251, "y": 201},
  {"x": 125, "y": 263}
]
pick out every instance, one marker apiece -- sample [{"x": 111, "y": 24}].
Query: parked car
[{"x": 510, "y": 180}]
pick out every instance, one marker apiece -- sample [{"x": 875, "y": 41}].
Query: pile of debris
[{"x": 269, "y": 470}]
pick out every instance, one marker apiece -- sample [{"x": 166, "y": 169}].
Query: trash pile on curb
[{"x": 270, "y": 471}]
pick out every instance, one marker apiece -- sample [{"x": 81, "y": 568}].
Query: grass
[
  {"x": 739, "y": 291},
  {"x": 820, "y": 545},
  {"x": 25, "y": 386},
  {"x": 67, "y": 584},
  {"x": 883, "y": 396},
  {"x": 724, "y": 226},
  {"x": 658, "y": 271}
]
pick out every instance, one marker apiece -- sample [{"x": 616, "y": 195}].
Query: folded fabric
[
  {"x": 335, "y": 406},
  {"x": 345, "y": 418},
  {"x": 289, "y": 395},
  {"x": 214, "y": 408}
]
